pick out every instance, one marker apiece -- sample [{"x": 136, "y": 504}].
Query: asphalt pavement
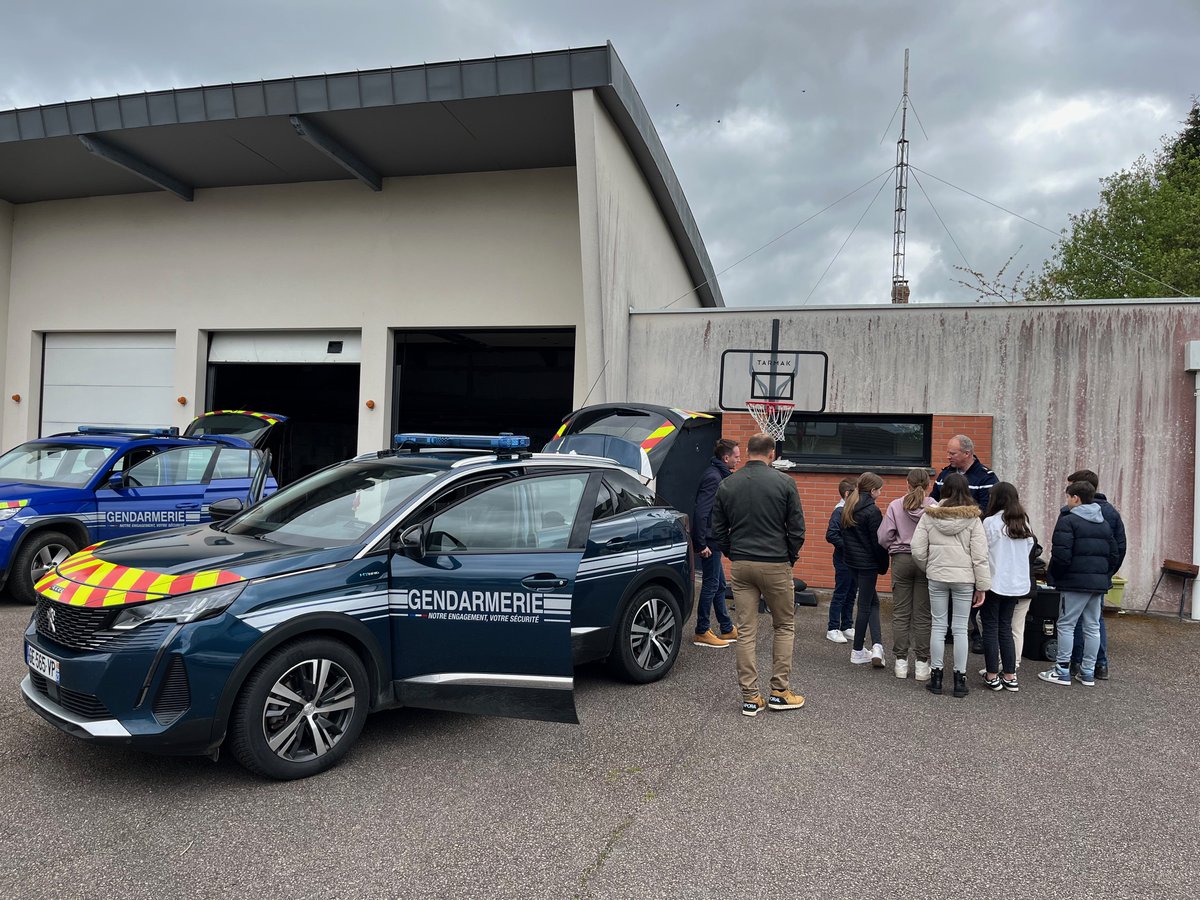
[{"x": 876, "y": 788}]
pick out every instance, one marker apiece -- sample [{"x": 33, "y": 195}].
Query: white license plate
[{"x": 39, "y": 662}]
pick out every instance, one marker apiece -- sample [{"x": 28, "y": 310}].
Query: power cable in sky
[
  {"x": 882, "y": 184},
  {"x": 1122, "y": 264},
  {"x": 781, "y": 236},
  {"x": 929, "y": 200}
]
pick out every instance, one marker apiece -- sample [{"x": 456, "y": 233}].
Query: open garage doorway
[
  {"x": 484, "y": 381},
  {"x": 310, "y": 377}
]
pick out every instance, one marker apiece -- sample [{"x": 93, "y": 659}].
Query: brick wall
[{"x": 818, "y": 490}]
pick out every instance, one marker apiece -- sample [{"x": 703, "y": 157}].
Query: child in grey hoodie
[
  {"x": 1083, "y": 558},
  {"x": 910, "y": 587}
]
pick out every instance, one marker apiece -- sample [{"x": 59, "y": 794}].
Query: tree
[{"x": 1143, "y": 240}]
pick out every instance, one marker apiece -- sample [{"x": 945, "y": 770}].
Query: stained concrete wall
[
  {"x": 629, "y": 256},
  {"x": 6, "y": 230},
  {"x": 1095, "y": 385}
]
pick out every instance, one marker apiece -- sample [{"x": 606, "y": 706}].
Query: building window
[{"x": 858, "y": 440}]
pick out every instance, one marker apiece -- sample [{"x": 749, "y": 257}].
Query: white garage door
[{"x": 108, "y": 378}]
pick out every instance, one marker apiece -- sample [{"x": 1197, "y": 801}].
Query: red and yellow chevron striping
[
  {"x": 86, "y": 580},
  {"x": 657, "y": 435},
  {"x": 13, "y": 504}
]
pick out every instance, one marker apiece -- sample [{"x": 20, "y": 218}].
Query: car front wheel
[
  {"x": 37, "y": 556},
  {"x": 648, "y": 635},
  {"x": 300, "y": 710}
]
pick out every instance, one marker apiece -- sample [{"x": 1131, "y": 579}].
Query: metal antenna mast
[{"x": 899, "y": 282}]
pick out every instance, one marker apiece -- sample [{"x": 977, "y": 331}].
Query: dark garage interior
[
  {"x": 484, "y": 381},
  {"x": 319, "y": 399}
]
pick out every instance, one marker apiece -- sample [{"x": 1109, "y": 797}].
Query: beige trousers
[{"x": 774, "y": 582}]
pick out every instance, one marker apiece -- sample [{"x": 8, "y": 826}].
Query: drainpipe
[{"x": 1192, "y": 360}]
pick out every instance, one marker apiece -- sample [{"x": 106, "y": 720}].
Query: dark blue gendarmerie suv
[{"x": 430, "y": 576}]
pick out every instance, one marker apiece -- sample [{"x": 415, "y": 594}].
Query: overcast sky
[{"x": 770, "y": 111}]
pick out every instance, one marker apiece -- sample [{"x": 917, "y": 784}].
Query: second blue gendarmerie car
[
  {"x": 66, "y": 491},
  {"x": 456, "y": 572}
]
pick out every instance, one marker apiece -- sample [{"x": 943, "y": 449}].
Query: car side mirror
[
  {"x": 116, "y": 480},
  {"x": 412, "y": 542},
  {"x": 225, "y": 509}
]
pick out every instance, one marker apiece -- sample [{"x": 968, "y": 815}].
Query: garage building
[{"x": 449, "y": 246}]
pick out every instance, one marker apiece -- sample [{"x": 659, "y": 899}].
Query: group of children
[{"x": 949, "y": 556}]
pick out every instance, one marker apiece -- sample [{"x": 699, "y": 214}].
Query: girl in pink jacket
[{"x": 910, "y": 587}]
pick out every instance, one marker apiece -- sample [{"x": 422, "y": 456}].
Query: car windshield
[
  {"x": 334, "y": 507},
  {"x": 58, "y": 464}
]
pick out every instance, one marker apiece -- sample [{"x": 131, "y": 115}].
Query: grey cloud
[{"x": 818, "y": 79}]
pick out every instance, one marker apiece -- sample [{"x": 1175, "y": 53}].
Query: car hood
[
  {"x": 22, "y": 493},
  {"x": 170, "y": 563}
]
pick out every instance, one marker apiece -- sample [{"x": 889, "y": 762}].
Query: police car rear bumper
[{"x": 192, "y": 737}]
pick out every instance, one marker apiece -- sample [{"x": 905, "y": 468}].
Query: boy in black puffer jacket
[{"x": 1083, "y": 557}]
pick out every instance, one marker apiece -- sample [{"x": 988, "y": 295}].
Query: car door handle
[
  {"x": 544, "y": 581},
  {"x": 616, "y": 544},
  {"x": 187, "y": 505}
]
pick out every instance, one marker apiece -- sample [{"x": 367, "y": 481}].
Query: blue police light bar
[
  {"x": 164, "y": 431},
  {"x": 463, "y": 441}
]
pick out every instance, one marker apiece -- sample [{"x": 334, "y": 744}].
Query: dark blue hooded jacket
[{"x": 1083, "y": 555}]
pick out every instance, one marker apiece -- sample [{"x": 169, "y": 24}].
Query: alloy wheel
[
  {"x": 46, "y": 559},
  {"x": 308, "y": 710},
  {"x": 653, "y": 633}
]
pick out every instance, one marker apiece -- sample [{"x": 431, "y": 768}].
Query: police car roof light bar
[
  {"x": 163, "y": 431},
  {"x": 495, "y": 443}
]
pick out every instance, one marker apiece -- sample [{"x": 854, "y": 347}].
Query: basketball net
[{"x": 771, "y": 415}]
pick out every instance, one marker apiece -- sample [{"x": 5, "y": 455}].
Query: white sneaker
[
  {"x": 860, "y": 657},
  {"x": 877, "y": 659},
  {"x": 921, "y": 671},
  {"x": 902, "y": 668},
  {"x": 836, "y": 636},
  {"x": 983, "y": 673},
  {"x": 849, "y": 633}
]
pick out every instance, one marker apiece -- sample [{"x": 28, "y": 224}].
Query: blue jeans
[
  {"x": 712, "y": 594},
  {"x": 1082, "y": 608},
  {"x": 845, "y": 588},
  {"x": 1102, "y": 653}
]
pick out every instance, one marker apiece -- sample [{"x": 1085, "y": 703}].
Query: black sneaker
[
  {"x": 1074, "y": 669},
  {"x": 1010, "y": 685},
  {"x": 1102, "y": 671},
  {"x": 993, "y": 684}
]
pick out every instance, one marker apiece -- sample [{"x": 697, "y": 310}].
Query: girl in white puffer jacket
[{"x": 950, "y": 546}]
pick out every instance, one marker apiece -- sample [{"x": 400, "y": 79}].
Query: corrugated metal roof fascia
[
  {"x": 556, "y": 70},
  {"x": 624, "y": 104},
  {"x": 905, "y": 307}
]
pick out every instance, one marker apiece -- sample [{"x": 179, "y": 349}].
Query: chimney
[{"x": 900, "y": 292}]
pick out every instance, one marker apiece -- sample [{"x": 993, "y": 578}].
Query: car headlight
[
  {"x": 188, "y": 608},
  {"x": 10, "y": 512}
]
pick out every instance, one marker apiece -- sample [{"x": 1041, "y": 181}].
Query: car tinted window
[
  {"x": 526, "y": 514},
  {"x": 333, "y": 507},
  {"x": 629, "y": 492},
  {"x": 606, "y": 503},
  {"x": 56, "y": 464},
  {"x": 182, "y": 465},
  {"x": 234, "y": 462}
]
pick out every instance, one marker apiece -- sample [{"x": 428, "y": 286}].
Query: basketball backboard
[{"x": 797, "y": 376}]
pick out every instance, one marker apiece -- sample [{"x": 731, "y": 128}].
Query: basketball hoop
[{"x": 771, "y": 415}]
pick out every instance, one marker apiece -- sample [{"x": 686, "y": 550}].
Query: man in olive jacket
[{"x": 759, "y": 524}]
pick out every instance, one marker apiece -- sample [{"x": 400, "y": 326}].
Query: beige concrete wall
[
  {"x": 485, "y": 249},
  {"x": 1095, "y": 385},
  {"x": 6, "y": 230},
  {"x": 630, "y": 259}
]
